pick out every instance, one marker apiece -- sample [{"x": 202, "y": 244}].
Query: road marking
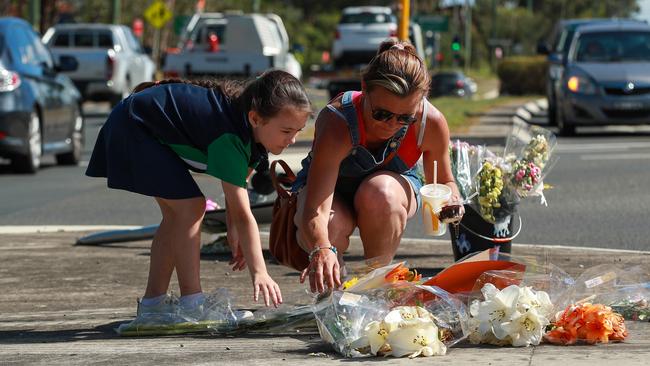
[
  {"x": 32, "y": 229},
  {"x": 630, "y": 156},
  {"x": 598, "y": 147}
]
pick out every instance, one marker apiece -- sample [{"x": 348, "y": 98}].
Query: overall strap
[
  {"x": 350, "y": 114},
  {"x": 423, "y": 122}
]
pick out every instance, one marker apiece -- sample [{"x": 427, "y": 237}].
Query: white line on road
[
  {"x": 630, "y": 156},
  {"x": 32, "y": 229},
  {"x": 581, "y": 148},
  {"x": 27, "y": 229}
]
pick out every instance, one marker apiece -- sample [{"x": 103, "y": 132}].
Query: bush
[{"x": 523, "y": 75}]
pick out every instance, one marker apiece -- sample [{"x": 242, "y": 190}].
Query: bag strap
[{"x": 278, "y": 181}]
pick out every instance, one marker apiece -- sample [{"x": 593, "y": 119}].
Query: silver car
[
  {"x": 606, "y": 78},
  {"x": 111, "y": 60}
]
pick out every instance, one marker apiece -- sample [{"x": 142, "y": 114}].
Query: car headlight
[{"x": 581, "y": 84}]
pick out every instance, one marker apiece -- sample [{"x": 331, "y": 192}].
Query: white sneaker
[{"x": 168, "y": 306}]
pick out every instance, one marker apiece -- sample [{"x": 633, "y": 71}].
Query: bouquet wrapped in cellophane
[
  {"x": 387, "y": 312},
  {"x": 497, "y": 183},
  {"x": 514, "y": 306}
]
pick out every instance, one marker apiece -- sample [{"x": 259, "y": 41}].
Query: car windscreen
[
  {"x": 367, "y": 18},
  {"x": 619, "y": 46}
]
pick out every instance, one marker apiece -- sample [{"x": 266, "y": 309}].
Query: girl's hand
[
  {"x": 263, "y": 283},
  {"x": 322, "y": 270},
  {"x": 238, "y": 261}
]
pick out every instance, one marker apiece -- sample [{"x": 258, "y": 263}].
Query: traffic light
[{"x": 455, "y": 44}]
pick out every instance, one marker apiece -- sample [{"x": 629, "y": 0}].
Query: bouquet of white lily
[
  {"x": 405, "y": 330},
  {"x": 386, "y": 312},
  {"x": 515, "y": 316}
]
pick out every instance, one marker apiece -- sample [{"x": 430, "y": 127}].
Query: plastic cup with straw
[{"x": 434, "y": 197}]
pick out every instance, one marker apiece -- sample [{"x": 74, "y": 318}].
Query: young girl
[{"x": 155, "y": 135}]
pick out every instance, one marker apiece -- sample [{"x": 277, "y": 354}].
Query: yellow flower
[{"x": 349, "y": 283}]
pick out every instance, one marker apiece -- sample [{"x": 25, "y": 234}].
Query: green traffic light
[{"x": 455, "y": 46}]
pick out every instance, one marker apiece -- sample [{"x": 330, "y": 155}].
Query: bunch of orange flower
[
  {"x": 402, "y": 273},
  {"x": 592, "y": 323}
]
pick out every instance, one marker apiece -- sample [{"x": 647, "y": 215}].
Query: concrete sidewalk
[{"x": 60, "y": 303}]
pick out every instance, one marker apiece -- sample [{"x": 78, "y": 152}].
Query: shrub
[{"x": 522, "y": 75}]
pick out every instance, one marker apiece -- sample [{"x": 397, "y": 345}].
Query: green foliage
[
  {"x": 523, "y": 75},
  {"x": 311, "y": 23},
  {"x": 523, "y": 29}
]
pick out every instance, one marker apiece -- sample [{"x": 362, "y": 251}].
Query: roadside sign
[
  {"x": 434, "y": 23},
  {"x": 157, "y": 14}
]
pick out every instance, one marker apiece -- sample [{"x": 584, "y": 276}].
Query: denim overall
[{"x": 360, "y": 162}]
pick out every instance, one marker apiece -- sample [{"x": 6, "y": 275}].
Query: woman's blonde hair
[{"x": 398, "y": 69}]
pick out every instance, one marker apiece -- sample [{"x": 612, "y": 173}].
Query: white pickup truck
[
  {"x": 224, "y": 44},
  {"x": 111, "y": 60}
]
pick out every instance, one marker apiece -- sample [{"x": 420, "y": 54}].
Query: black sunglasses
[{"x": 383, "y": 115}]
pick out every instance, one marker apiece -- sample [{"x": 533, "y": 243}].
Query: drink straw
[{"x": 435, "y": 171}]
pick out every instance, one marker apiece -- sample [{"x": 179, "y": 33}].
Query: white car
[
  {"x": 232, "y": 45},
  {"x": 111, "y": 60},
  {"x": 360, "y": 32}
]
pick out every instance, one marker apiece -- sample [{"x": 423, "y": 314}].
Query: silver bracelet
[{"x": 317, "y": 249}]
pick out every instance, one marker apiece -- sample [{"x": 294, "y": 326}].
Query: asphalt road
[{"x": 600, "y": 195}]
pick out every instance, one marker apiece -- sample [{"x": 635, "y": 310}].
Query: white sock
[
  {"x": 192, "y": 301},
  {"x": 152, "y": 301}
]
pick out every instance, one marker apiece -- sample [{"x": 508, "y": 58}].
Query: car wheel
[
  {"x": 566, "y": 129},
  {"x": 30, "y": 162},
  {"x": 552, "y": 113},
  {"x": 77, "y": 141}
]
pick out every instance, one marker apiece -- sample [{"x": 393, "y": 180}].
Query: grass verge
[{"x": 461, "y": 114}]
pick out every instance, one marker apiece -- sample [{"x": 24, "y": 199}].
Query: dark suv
[{"x": 561, "y": 39}]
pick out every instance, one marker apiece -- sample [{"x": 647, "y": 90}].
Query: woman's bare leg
[{"x": 383, "y": 203}]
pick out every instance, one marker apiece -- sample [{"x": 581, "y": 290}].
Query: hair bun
[{"x": 395, "y": 44}]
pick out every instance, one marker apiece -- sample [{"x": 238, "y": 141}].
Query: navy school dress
[{"x": 154, "y": 137}]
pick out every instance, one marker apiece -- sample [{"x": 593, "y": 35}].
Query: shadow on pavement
[{"x": 104, "y": 331}]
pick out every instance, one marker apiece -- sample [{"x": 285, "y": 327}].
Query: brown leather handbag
[{"x": 283, "y": 243}]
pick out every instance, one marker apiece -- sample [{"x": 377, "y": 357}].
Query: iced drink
[{"x": 434, "y": 197}]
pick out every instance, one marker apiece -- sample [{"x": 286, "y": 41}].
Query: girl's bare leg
[{"x": 177, "y": 245}]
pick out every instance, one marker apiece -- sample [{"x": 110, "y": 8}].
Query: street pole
[
  {"x": 403, "y": 33},
  {"x": 116, "y": 11},
  {"x": 35, "y": 13},
  {"x": 468, "y": 35},
  {"x": 493, "y": 33}
]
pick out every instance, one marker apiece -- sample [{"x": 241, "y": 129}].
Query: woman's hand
[
  {"x": 263, "y": 283},
  {"x": 238, "y": 261},
  {"x": 322, "y": 270}
]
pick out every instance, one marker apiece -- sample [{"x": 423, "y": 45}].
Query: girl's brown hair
[
  {"x": 397, "y": 68},
  {"x": 267, "y": 94}
]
